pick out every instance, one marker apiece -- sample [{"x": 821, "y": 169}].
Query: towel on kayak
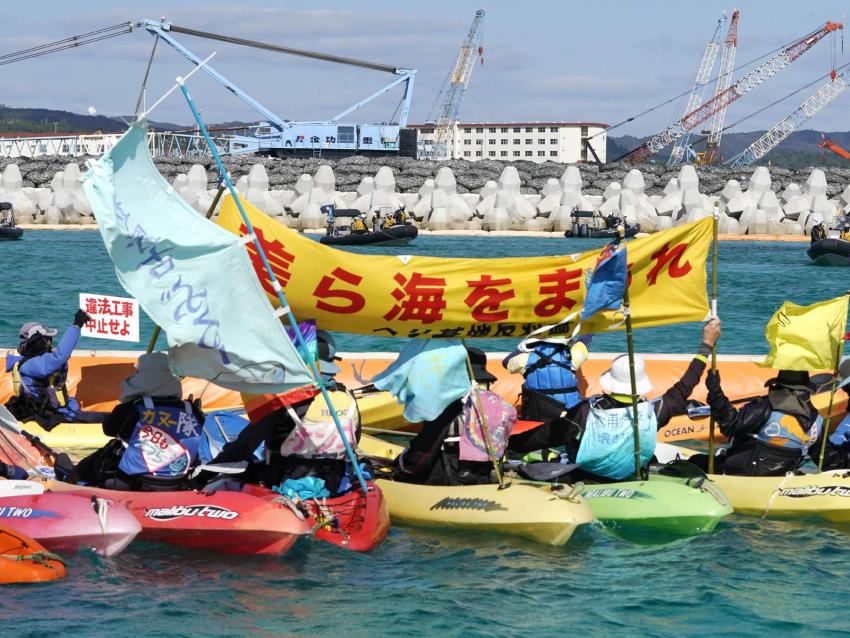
[{"x": 427, "y": 376}]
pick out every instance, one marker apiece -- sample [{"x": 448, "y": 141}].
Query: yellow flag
[
  {"x": 426, "y": 297},
  {"x": 806, "y": 337}
]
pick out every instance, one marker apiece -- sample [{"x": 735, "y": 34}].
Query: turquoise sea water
[{"x": 750, "y": 577}]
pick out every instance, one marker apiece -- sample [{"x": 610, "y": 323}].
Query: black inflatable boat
[
  {"x": 830, "y": 252},
  {"x": 8, "y": 230},
  {"x": 393, "y": 236}
]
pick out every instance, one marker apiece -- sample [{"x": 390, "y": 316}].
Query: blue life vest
[
  {"x": 838, "y": 437},
  {"x": 607, "y": 447},
  {"x": 550, "y": 371},
  {"x": 220, "y": 428},
  {"x": 164, "y": 442},
  {"x": 784, "y": 431}
]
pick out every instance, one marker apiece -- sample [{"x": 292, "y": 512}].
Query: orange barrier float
[
  {"x": 23, "y": 560},
  {"x": 95, "y": 379}
]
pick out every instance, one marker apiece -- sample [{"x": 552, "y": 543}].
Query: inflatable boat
[
  {"x": 399, "y": 235},
  {"x": 830, "y": 252},
  {"x": 25, "y": 560}
]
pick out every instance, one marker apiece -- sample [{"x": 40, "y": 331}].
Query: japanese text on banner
[
  {"x": 429, "y": 297},
  {"x": 111, "y": 317}
]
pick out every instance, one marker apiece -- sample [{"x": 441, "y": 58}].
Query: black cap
[
  {"x": 791, "y": 379},
  {"x": 478, "y": 359}
]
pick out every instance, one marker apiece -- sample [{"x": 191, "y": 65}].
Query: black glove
[
  {"x": 81, "y": 318},
  {"x": 712, "y": 381}
]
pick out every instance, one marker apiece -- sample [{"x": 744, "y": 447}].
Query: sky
[{"x": 600, "y": 61}]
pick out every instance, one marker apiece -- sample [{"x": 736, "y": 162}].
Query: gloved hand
[
  {"x": 841, "y": 436},
  {"x": 81, "y": 318},
  {"x": 712, "y": 381}
]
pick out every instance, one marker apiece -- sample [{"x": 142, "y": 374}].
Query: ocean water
[
  {"x": 750, "y": 577},
  {"x": 45, "y": 273}
]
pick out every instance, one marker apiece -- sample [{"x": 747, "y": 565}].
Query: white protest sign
[{"x": 111, "y": 317}]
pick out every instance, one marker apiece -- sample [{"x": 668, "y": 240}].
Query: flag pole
[
  {"x": 714, "y": 347},
  {"x": 210, "y": 210},
  {"x": 838, "y": 351},
  {"x": 491, "y": 450},
  {"x": 284, "y": 306},
  {"x": 621, "y": 233}
]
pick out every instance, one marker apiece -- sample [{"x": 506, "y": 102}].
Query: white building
[{"x": 565, "y": 142}]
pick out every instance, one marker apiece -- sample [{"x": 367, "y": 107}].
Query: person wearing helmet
[
  {"x": 597, "y": 432},
  {"x": 38, "y": 376},
  {"x": 818, "y": 232},
  {"x": 359, "y": 224}
]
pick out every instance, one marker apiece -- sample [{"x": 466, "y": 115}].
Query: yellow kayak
[
  {"x": 519, "y": 510},
  {"x": 825, "y": 495}
]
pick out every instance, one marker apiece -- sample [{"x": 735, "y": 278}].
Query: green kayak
[{"x": 660, "y": 509}]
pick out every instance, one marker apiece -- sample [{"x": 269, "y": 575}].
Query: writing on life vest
[{"x": 111, "y": 317}]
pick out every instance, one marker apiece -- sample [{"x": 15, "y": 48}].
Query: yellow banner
[{"x": 413, "y": 296}]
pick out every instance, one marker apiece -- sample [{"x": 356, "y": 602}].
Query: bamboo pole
[
  {"x": 713, "y": 347},
  {"x": 838, "y": 352},
  {"x": 631, "y": 349}
]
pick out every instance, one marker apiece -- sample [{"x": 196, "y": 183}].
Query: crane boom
[
  {"x": 459, "y": 80},
  {"x": 695, "y": 98},
  {"x": 743, "y": 86},
  {"x": 812, "y": 105},
  {"x": 724, "y": 81},
  {"x": 835, "y": 148}
]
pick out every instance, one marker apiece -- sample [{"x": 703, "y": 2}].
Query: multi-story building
[{"x": 565, "y": 142}]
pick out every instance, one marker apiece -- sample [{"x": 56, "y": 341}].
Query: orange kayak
[{"x": 23, "y": 560}]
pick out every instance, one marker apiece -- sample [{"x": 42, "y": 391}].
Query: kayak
[
  {"x": 355, "y": 521},
  {"x": 519, "y": 510},
  {"x": 24, "y": 560},
  {"x": 224, "y": 521},
  {"x": 673, "y": 507},
  {"x": 67, "y": 522},
  {"x": 824, "y": 496}
]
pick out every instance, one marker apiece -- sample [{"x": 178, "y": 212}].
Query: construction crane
[
  {"x": 724, "y": 81},
  {"x": 453, "y": 93},
  {"x": 835, "y": 148},
  {"x": 743, "y": 86},
  {"x": 283, "y": 137},
  {"x": 677, "y": 154},
  {"x": 812, "y": 105}
]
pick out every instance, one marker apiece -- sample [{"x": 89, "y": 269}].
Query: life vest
[
  {"x": 43, "y": 391},
  {"x": 315, "y": 435},
  {"x": 784, "y": 431},
  {"x": 550, "y": 371},
  {"x": 358, "y": 225},
  {"x": 500, "y": 417},
  {"x": 164, "y": 443},
  {"x": 387, "y": 223},
  {"x": 607, "y": 446}
]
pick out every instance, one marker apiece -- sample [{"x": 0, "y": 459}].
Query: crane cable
[
  {"x": 67, "y": 43},
  {"x": 714, "y": 79}
]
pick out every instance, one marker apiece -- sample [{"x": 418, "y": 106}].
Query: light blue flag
[
  {"x": 192, "y": 277},
  {"x": 427, "y": 376}
]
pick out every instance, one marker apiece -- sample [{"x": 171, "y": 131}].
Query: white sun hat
[{"x": 616, "y": 380}]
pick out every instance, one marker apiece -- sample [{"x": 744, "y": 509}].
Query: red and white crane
[
  {"x": 724, "y": 81},
  {"x": 737, "y": 90}
]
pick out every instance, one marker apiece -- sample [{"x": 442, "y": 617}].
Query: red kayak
[
  {"x": 355, "y": 521},
  {"x": 67, "y": 522},
  {"x": 225, "y": 521}
]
